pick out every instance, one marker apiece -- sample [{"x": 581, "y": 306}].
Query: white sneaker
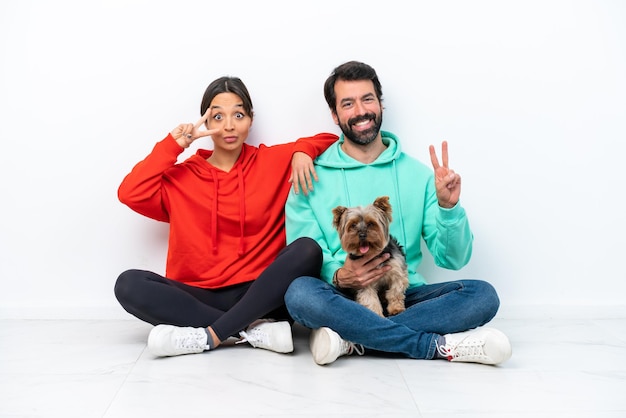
[
  {"x": 480, "y": 345},
  {"x": 169, "y": 340},
  {"x": 326, "y": 346},
  {"x": 269, "y": 334}
]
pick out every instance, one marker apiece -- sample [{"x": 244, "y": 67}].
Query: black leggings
[{"x": 159, "y": 300}]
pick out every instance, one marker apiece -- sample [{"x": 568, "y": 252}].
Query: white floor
[{"x": 101, "y": 368}]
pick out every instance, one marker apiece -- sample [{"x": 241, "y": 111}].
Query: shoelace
[
  {"x": 468, "y": 348},
  {"x": 191, "y": 341},
  {"x": 253, "y": 337},
  {"x": 349, "y": 348}
]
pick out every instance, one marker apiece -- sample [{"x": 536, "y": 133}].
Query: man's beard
[{"x": 362, "y": 137}]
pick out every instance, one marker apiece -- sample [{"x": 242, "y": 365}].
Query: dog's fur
[{"x": 364, "y": 231}]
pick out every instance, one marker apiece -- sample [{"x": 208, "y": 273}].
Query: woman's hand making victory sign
[
  {"x": 186, "y": 133},
  {"x": 447, "y": 182}
]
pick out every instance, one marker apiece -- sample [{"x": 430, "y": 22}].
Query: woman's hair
[
  {"x": 350, "y": 71},
  {"x": 227, "y": 85}
]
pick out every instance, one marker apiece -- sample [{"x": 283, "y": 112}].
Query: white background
[{"x": 531, "y": 96}]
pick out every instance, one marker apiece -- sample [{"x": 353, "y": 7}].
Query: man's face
[{"x": 359, "y": 113}]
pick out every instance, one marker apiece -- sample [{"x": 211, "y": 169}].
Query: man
[{"x": 441, "y": 320}]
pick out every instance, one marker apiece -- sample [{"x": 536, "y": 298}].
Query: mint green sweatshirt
[{"x": 411, "y": 190}]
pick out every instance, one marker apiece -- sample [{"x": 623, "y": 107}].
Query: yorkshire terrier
[{"x": 364, "y": 231}]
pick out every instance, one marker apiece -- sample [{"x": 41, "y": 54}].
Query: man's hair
[
  {"x": 227, "y": 85},
  {"x": 350, "y": 71}
]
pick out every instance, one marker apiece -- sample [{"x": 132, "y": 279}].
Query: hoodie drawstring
[
  {"x": 214, "y": 212},
  {"x": 242, "y": 209},
  {"x": 397, "y": 208},
  {"x": 345, "y": 186},
  {"x": 396, "y": 187}
]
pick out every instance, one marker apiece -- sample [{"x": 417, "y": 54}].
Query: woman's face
[{"x": 227, "y": 114}]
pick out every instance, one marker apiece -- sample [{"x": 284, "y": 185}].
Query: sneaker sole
[
  {"x": 321, "y": 344},
  {"x": 285, "y": 343},
  {"x": 155, "y": 335},
  {"x": 504, "y": 350}
]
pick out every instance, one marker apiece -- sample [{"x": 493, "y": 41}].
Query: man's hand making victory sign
[{"x": 447, "y": 182}]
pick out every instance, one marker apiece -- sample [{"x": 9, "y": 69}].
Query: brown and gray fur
[{"x": 364, "y": 231}]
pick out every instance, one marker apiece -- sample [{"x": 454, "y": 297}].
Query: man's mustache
[{"x": 361, "y": 118}]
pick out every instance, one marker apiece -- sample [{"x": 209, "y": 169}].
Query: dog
[{"x": 364, "y": 231}]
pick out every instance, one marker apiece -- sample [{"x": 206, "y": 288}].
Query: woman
[{"x": 227, "y": 264}]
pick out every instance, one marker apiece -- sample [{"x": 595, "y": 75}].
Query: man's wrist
[{"x": 336, "y": 279}]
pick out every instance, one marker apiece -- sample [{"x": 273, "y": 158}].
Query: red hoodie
[{"x": 225, "y": 228}]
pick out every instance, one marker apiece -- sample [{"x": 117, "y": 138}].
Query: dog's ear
[
  {"x": 383, "y": 204},
  {"x": 338, "y": 213}
]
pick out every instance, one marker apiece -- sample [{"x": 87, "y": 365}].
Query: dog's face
[{"x": 363, "y": 229}]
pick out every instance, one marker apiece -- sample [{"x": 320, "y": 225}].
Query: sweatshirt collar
[{"x": 335, "y": 156}]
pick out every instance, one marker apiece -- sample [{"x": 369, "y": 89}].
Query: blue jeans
[{"x": 432, "y": 310}]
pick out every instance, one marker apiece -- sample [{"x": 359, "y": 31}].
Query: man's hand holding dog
[
  {"x": 447, "y": 182},
  {"x": 360, "y": 273}
]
